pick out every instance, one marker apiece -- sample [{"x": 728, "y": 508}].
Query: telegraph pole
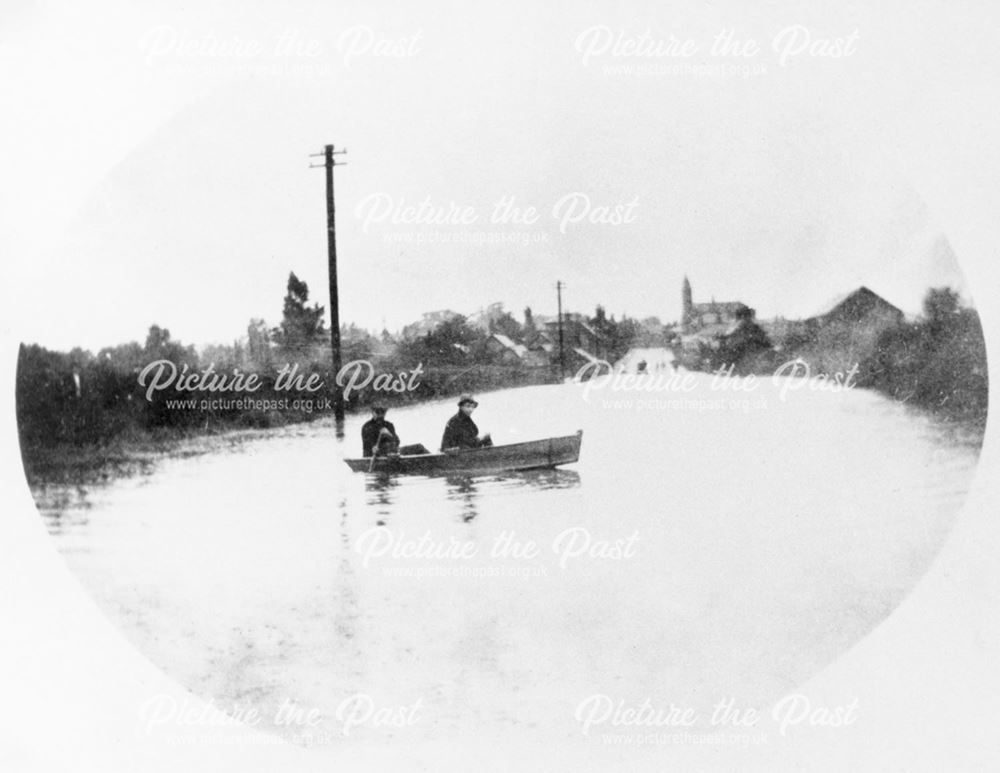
[
  {"x": 331, "y": 243},
  {"x": 562, "y": 358}
]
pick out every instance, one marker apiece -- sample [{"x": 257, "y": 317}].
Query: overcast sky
[{"x": 760, "y": 186}]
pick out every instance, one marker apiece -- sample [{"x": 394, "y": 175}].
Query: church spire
[{"x": 686, "y": 305}]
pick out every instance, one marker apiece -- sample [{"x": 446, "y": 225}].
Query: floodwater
[{"x": 709, "y": 543}]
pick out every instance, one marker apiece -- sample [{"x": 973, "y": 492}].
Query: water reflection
[
  {"x": 469, "y": 490},
  {"x": 380, "y": 488},
  {"x": 463, "y": 489},
  {"x": 63, "y": 508},
  {"x": 345, "y": 609},
  {"x": 389, "y": 494},
  {"x": 542, "y": 479}
]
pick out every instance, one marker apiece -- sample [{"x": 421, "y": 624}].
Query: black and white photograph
[{"x": 547, "y": 386}]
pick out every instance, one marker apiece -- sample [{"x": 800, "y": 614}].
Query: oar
[{"x": 378, "y": 445}]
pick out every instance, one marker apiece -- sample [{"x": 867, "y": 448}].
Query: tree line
[
  {"x": 71, "y": 400},
  {"x": 936, "y": 362},
  {"x": 80, "y": 398}
]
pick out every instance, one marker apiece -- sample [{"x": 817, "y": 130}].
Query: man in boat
[
  {"x": 461, "y": 431},
  {"x": 378, "y": 436}
]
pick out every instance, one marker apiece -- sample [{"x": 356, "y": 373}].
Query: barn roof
[{"x": 860, "y": 297}]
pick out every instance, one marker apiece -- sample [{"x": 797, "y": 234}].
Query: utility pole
[
  {"x": 331, "y": 244},
  {"x": 562, "y": 358}
]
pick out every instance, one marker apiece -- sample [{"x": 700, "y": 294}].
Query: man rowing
[
  {"x": 461, "y": 431},
  {"x": 378, "y": 436}
]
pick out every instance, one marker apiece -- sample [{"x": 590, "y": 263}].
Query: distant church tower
[{"x": 686, "y": 305}]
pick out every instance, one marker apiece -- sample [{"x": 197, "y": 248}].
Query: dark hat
[{"x": 466, "y": 399}]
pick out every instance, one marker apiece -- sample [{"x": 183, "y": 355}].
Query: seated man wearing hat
[
  {"x": 461, "y": 431},
  {"x": 378, "y": 436}
]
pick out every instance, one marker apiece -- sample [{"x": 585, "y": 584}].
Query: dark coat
[
  {"x": 369, "y": 436},
  {"x": 460, "y": 431}
]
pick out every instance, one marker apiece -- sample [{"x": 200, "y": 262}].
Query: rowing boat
[{"x": 530, "y": 455}]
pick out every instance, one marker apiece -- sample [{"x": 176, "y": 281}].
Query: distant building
[
  {"x": 712, "y": 318},
  {"x": 505, "y": 351},
  {"x": 540, "y": 341},
  {"x": 861, "y": 307},
  {"x": 859, "y": 313},
  {"x": 577, "y": 334},
  {"x": 717, "y": 333},
  {"x": 582, "y": 344},
  {"x": 849, "y": 331}
]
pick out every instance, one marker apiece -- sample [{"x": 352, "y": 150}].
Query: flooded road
[{"x": 708, "y": 543}]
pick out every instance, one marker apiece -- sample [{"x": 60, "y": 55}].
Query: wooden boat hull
[{"x": 531, "y": 455}]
